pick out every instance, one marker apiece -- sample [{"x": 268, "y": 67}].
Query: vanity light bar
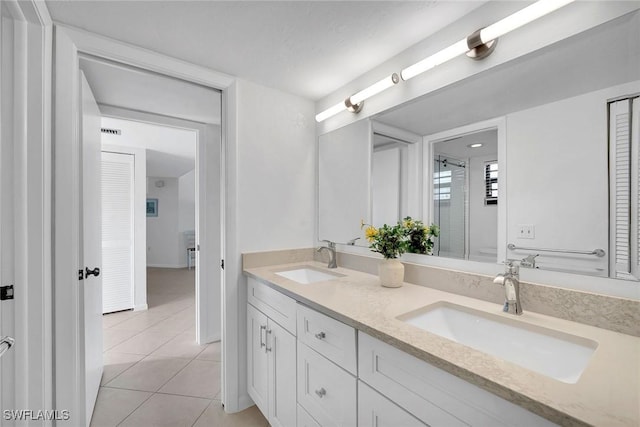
[
  {"x": 354, "y": 102},
  {"x": 478, "y": 45},
  {"x": 485, "y": 37}
]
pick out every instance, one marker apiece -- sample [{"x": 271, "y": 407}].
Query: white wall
[
  {"x": 483, "y": 219},
  {"x": 187, "y": 201},
  {"x": 164, "y": 241},
  {"x": 568, "y": 210},
  {"x": 275, "y": 164}
]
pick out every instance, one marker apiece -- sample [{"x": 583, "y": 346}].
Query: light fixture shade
[
  {"x": 436, "y": 59},
  {"x": 375, "y": 89},
  {"x": 331, "y": 111},
  {"x": 354, "y": 102},
  {"x": 520, "y": 18},
  {"x": 488, "y": 34}
]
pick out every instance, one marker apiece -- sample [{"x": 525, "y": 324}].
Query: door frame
[
  {"x": 208, "y": 329},
  {"x": 31, "y": 140},
  {"x": 70, "y": 43}
]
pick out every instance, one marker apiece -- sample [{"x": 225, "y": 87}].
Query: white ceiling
[
  {"x": 458, "y": 148},
  {"x": 309, "y": 48},
  {"x": 601, "y": 57},
  {"x": 134, "y": 89},
  {"x": 171, "y": 152}
]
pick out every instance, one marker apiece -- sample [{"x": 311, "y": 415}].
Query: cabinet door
[
  {"x": 281, "y": 348},
  {"x": 325, "y": 390},
  {"x": 257, "y": 359},
  {"x": 375, "y": 410}
]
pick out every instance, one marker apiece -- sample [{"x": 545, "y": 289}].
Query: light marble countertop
[{"x": 607, "y": 394}]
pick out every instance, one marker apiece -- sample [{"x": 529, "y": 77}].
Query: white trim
[
  {"x": 500, "y": 124},
  {"x": 208, "y": 329},
  {"x": 110, "y": 49},
  {"x": 394, "y": 132},
  {"x": 167, "y": 265},
  {"x": 141, "y": 307},
  {"x": 32, "y": 203},
  {"x": 114, "y": 50}
]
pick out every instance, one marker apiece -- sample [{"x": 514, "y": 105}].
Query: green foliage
[{"x": 407, "y": 235}]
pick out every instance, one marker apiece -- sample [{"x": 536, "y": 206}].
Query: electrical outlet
[{"x": 526, "y": 231}]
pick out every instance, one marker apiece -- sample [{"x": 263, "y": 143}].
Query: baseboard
[
  {"x": 141, "y": 307},
  {"x": 244, "y": 402},
  {"x": 167, "y": 265}
]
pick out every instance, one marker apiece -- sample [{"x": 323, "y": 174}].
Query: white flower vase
[{"x": 391, "y": 273}]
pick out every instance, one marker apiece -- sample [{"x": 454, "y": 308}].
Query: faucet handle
[
  {"x": 352, "y": 242},
  {"x": 332, "y": 245},
  {"x": 529, "y": 261}
]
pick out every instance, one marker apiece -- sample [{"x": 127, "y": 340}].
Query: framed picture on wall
[{"x": 152, "y": 207}]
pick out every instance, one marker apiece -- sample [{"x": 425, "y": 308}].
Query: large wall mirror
[{"x": 553, "y": 180}]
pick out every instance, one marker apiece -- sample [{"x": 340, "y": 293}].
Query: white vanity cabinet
[
  {"x": 327, "y": 383},
  {"x": 432, "y": 395},
  {"x": 375, "y": 410},
  {"x": 271, "y": 362}
]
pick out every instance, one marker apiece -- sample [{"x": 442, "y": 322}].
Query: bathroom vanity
[{"x": 333, "y": 347}]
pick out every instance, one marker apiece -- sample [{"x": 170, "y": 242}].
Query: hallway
[{"x": 154, "y": 372}]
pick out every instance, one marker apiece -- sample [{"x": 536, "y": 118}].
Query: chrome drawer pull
[
  {"x": 262, "y": 343},
  {"x": 321, "y": 393},
  {"x": 268, "y": 331},
  {"x": 321, "y": 335}
]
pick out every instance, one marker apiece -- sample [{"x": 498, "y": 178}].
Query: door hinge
[
  {"x": 222, "y": 264},
  {"x": 6, "y": 292},
  {"x": 80, "y": 274}
]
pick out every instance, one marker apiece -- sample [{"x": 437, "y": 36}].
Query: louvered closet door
[
  {"x": 624, "y": 126},
  {"x": 117, "y": 231}
]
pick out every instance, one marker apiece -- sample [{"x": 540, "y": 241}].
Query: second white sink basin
[
  {"x": 307, "y": 275},
  {"x": 552, "y": 353}
]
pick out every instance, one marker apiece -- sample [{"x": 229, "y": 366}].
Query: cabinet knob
[
  {"x": 321, "y": 335},
  {"x": 321, "y": 393}
]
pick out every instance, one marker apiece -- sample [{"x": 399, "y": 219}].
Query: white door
[
  {"x": 257, "y": 359},
  {"x": 117, "y": 231},
  {"x": 91, "y": 244},
  {"x": 281, "y": 349}
]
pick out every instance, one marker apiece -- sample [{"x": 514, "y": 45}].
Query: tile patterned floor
[{"x": 154, "y": 372}]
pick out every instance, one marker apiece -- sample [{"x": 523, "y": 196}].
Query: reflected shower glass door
[{"x": 449, "y": 198}]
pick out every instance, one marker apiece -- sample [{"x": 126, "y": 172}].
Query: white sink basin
[
  {"x": 552, "y": 353},
  {"x": 306, "y": 275}
]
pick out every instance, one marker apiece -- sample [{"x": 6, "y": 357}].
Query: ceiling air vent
[{"x": 111, "y": 131}]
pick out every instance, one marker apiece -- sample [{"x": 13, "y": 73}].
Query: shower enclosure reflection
[{"x": 465, "y": 189}]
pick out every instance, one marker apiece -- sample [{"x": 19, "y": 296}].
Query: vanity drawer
[
  {"x": 326, "y": 391},
  {"x": 434, "y": 396},
  {"x": 277, "y": 306},
  {"x": 305, "y": 420},
  {"x": 329, "y": 337},
  {"x": 375, "y": 410}
]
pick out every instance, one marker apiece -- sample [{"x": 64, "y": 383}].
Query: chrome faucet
[
  {"x": 331, "y": 247},
  {"x": 529, "y": 261},
  {"x": 511, "y": 282}
]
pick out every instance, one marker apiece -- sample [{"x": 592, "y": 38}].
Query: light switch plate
[{"x": 526, "y": 231}]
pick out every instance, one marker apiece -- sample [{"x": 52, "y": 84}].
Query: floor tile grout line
[
  {"x": 202, "y": 413},
  {"x": 143, "y": 358},
  {"x": 136, "y": 408}
]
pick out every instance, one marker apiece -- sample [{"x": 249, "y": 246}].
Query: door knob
[
  {"x": 5, "y": 344},
  {"x": 95, "y": 272}
]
